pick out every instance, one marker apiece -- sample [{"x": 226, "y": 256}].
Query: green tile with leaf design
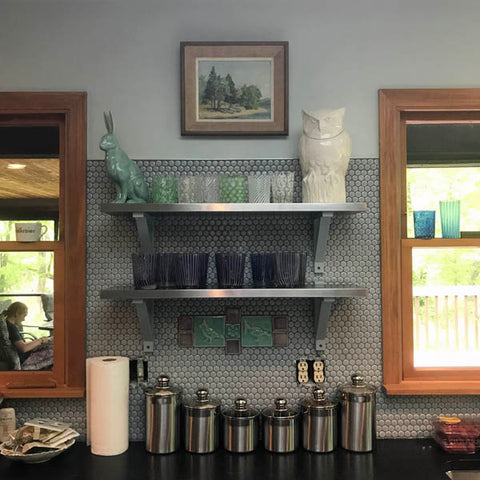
[
  {"x": 232, "y": 330},
  {"x": 209, "y": 331},
  {"x": 257, "y": 331}
]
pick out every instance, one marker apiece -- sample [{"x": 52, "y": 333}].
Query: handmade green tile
[
  {"x": 209, "y": 331},
  {"x": 257, "y": 331},
  {"x": 232, "y": 330}
]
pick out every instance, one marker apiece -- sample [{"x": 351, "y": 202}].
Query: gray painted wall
[{"x": 125, "y": 54}]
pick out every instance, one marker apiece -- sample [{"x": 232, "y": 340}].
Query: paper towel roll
[{"x": 107, "y": 405}]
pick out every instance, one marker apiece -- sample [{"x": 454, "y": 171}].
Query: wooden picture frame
[{"x": 234, "y": 88}]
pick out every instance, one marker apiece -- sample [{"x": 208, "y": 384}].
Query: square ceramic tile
[
  {"x": 257, "y": 331},
  {"x": 209, "y": 331},
  {"x": 232, "y": 330}
]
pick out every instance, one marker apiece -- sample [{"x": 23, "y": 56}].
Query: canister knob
[
  {"x": 240, "y": 404},
  {"x": 318, "y": 394},
  {"x": 358, "y": 380},
  {"x": 163, "y": 381},
  {"x": 202, "y": 395},
  {"x": 280, "y": 404}
]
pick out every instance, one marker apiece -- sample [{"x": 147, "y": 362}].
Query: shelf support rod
[
  {"x": 145, "y": 231},
  {"x": 322, "y": 310},
  {"x": 145, "y": 316},
  {"x": 321, "y": 229}
]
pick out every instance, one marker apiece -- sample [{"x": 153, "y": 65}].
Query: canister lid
[
  {"x": 240, "y": 409},
  {"x": 281, "y": 410},
  {"x": 202, "y": 401},
  {"x": 163, "y": 388},
  {"x": 358, "y": 387},
  {"x": 318, "y": 401}
]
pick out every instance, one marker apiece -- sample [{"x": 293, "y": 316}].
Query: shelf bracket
[
  {"x": 145, "y": 231},
  {"x": 145, "y": 316},
  {"x": 321, "y": 229},
  {"x": 322, "y": 310}
]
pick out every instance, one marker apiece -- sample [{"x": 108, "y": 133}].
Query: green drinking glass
[
  {"x": 233, "y": 189},
  {"x": 164, "y": 189}
]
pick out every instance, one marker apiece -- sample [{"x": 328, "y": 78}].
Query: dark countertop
[{"x": 392, "y": 460}]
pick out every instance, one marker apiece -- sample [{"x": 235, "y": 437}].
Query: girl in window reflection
[{"x": 14, "y": 315}]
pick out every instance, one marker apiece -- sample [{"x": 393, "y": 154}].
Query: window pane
[
  {"x": 26, "y": 307},
  {"x": 427, "y": 186},
  {"x": 446, "y": 297}
]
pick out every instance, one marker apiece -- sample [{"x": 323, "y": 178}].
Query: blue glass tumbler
[{"x": 424, "y": 223}]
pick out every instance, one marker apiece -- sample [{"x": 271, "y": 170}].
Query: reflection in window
[
  {"x": 27, "y": 313},
  {"x": 446, "y": 297}
]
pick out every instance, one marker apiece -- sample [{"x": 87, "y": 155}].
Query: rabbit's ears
[{"x": 108, "y": 121}]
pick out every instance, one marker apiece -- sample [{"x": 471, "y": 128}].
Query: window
[{"x": 430, "y": 152}]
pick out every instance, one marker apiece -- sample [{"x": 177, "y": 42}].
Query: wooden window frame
[
  {"x": 67, "y": 110},
  {"x": 397, "y": 108}
]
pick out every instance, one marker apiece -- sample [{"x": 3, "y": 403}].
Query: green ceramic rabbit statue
[{"x": 128, "y": 178}]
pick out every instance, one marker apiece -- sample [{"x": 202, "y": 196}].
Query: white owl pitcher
[{"x": 325, "y": 149}]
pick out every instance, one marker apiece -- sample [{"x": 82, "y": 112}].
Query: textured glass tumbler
[
  {"x": 144, "y": 271},
  {"x": 262, "y": 269},
  {"x": 191, "y": 270},
  {"x": 233, "y": 189},
  {"x": 211, "y": 188},
  {"x": 191, "y": 189},
  {"x": 230, "y": 269},
  {"x": 259, "y": 189},
  {"x": 450, "y": 218},
  {"x": 424, "y": 223},
  {"x": 282, "y": 187},
  {"x": 165, "y": 270},
  {"x": 289, "y": 269},
  {"x": 164, "y": 189}
]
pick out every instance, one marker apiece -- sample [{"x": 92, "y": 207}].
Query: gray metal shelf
[
  {"x": 323, "y": 298},
  {"x": 157, "y": 209}
]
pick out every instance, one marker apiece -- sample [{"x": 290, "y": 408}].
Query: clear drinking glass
[
  {"x": 282, "y": 187},
  {"x": 211, "y": 187},
  {"x": 191, "y": 189},
  {"x": 259, "y": 189}
]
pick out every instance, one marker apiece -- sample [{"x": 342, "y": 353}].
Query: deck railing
[{"x": 446, "y": 319}]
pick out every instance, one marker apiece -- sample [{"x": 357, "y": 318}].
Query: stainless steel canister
[
  {"x": 201, "y": 423},
  {"x": 240, "y": 428},
  {"x": 319, "y": 423},
  {"x": 358, "y": 415},
  {"x": 281, "y": 427},
  {"x": 163, "y": 417}
]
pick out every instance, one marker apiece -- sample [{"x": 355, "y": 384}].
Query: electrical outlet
[
  {"x": 302, "y": 371},
  {"x": 318, "y": 371}
]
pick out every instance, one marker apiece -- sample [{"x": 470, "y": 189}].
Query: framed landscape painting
[{"x": 234, "y": 88}]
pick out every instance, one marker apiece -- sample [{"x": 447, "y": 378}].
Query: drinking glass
[
  {"x": 165, "y": 270},
  {"x": 191, "y": 189},
  {"x": 211, "y": 187},
  {"x": 232, "y": 189},
  {"x": 259, "y": 189},
  {"x": 191, "y": 270},
  {"x": 424, "y": 223},
  {"x": 230, "y": 269},
  {"x": 282, "y": 187},
  {"x": 164, "y": 189},
  {"x": 262, "y": 269},
  {"x": 450, "y": 218},
  {"x": 289, "y": 269},
  {"x": 144, "y": 270}
]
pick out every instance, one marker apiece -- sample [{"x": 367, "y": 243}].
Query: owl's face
[{"x": 323, "y": 123}]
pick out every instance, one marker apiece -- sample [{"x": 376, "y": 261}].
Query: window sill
[{"x": 423, "y": 387}]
